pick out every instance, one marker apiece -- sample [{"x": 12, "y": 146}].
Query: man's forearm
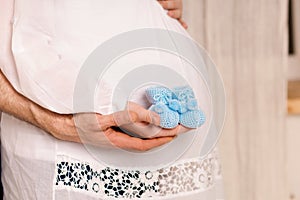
[{"x": 13, "y": 103}]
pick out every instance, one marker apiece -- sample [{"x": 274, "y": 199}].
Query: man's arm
[
  {"x": 99, "y": 133},
  {"x": 10, "y": 100},
  {"x": 15, "y": 104}
]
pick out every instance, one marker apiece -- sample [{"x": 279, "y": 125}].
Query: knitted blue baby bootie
[
  {"x": 177, "y": 106},
  {"x": 190, "y": 114},
  {"x": 192, "y": 119},
  {"x": 159, "y": 94},
  {"x": 183, "y": 94},
  {"x": 159, "y": 97},
  {"x": 168, "y": 118}
]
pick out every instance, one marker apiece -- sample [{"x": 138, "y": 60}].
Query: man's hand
[
  {"x": 174, "y": 8},
  {"x": 102, "y": 130},
  {"x": 150, "y": 130}
]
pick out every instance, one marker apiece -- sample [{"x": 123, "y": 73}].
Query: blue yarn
[
  {"x": 183, "y": 93},
  {"x": 168, "y": 118},
  {"x": 192, "y": 104},
  {"x": 182, "y": 108},
  {"x": 192, "y": 119},
  {"x": 174, "y": 105},
  {"x": 159, "y": 94},
  {"x": 177, "y": 106}
]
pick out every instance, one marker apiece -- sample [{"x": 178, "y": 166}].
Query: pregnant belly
[{"x": 51, "y": 41}]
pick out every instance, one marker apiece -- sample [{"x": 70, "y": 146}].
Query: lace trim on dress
[{"x": 182, "y": 177}]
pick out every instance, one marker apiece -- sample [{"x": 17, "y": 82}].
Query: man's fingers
[
  {"x": 183, "y": 23},
  {"x": 172, "y": 132},
  {"x": 170, "y": 4},
  {"x": 149, "y": 117},
  {"x": 174, "y": 8},
  {"x": 177, "y": 14},
  {"x": 133, "y": 113},
  {"x": 125, "y": 141},
  {"x": 155, "y": 142},
  {"x": 168, "y": 132},
  {"x": 142, "y": 129},
  {"x": 117, "y": 119},
  {"x": 151, "y": 131},
  {"x": 144, "y": 115}
]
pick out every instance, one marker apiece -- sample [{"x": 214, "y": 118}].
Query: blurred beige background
[{"x": 248, "y": 40}]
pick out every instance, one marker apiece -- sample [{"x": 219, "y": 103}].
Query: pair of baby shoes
[{"x": 177, "y": 106}]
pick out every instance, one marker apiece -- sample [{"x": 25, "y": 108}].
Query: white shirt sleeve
[{"x": 6, "y": 16}]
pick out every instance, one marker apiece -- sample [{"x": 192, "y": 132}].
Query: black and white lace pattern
[{"x": 186, "y": 176}]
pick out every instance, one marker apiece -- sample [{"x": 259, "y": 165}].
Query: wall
[
  {"x": 293, "y": 161},
  {"x": 248, "y": 42},
  {"x": 294, "y": 60}
]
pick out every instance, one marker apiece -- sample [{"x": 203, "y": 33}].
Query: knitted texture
[
  {"x": 159, "y": 95},
  {"x": 183, "y": 93},
  {"x": 177, "y": 106},
  {"x": 168, "y": 118},
  {"x": 192, "y": 119}
]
